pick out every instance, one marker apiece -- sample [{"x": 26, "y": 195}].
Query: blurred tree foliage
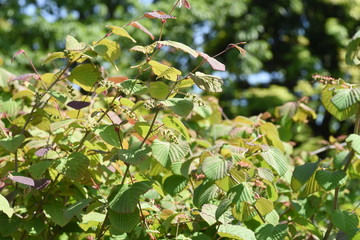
[{"x": 287, "y": 41}]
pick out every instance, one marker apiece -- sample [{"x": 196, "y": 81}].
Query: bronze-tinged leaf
[
  {"x": 184, "y": 3},
  {"x": 26, "y": 77},
  {"x": 158, "y": 15},
  {"x": 17, "y": 53},
  {"x": 144, "y": 29},
  {"x": 215, "y": 64},
  {"x": 118, "y": 79},
  {"x": 78, "y": 104}
]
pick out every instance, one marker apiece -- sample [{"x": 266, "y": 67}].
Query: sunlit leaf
[
  {"x": 235, "y": 232},
  {"x": 133, "y": 87},
  {"x": 180, "y": 106},
  {"x": 352, "y": 54},
  {"x": 302, "y": 174},
  {"x": 345, "y": 98},
  {"x": 5, "y": 206},
  {"x": 109, "y": 50},
  {"x": 144, "y": 49},
  {"x": 326, "y": 95},
  {"x": 206, "y": 82},
  {"x": 180, "y": 46},
  {"x": 72, "y": 44},
  {"x": 354, "y": 141},
  {"x": 52, "y": 56},
  {"x": 163, "y": 71},
  {"x": 167, "y": 152},
  {"x": 159, "y": 90},
  {"x": 121, "y": 32},
  {"x": 109, "y": 134},
  {"x": 85, "y": 75},
  {"x": 264, "y": 206},
  {"x": 215, "y": 167},
  {"x": 176, "y": 124},
  {"x": 241, "y": 193},
  {"x": 75, "y": 166},
  {"x": 275, "y": 158}
]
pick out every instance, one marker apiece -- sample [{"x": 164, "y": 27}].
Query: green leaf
[
  {"x": 275, "y": 158},
  {"x": 133, "y": 87},
  {"x": 72, "y": 44},
  {"x": 75, "y": 166},
  {"x": 93, "y": 216},
  {"x": 301, "y": 175},
  {"x": 264, "y": 206},
  {"x": 311, "y": 186},
  {"x": 75, "y": 209},
  {"x": 109, "y": 134},
  {"x": 38, "y": 169},
  {"x": 206, "y": 82},
  {"x": 9, "y": 225},
  {"x": 124, "y": 222},
  {"x": 175, "y": 123},
  {"x": 53, "y": 56},
  {"x": 223, "y": 207},
  {"x": 241, "y": 193},
  {"x": 11, "y": 144},
  {"x": 330, "y": 180},
  {"x": 243, "y": 211},
  {"x": 215, "y": 167},
  {"x": 354, "y": 141},
  {"x": 345, "y": 98},
  {"x": 149, "y": 49},
  {"x": 159, "y": 90},
  {"x": 54, "y": 211},
  {"x": 109, "y": 50},
  {"x": 271, "y": 232},
  {"x": 326, "y": 96},
  {"x": 35, "y": 226},
  {"x": 85, "y": 75},
  {"x": 180, "y": 46},
  {"x": 56, "y": 125},
  {"x": 161, "y": 70},
  {"x": 236, "y": 232},
  {"x": 134, "y": 157},
  {"x": 307, "y": 225},
  {"x": 345, "y": 221},
  {"x": 5, "y": 206},
  {"x": 124, "y": 198},
  {"x": 266, "y": 174},
  {"x": 353, "y": 50},
  {"x": 204, "y": 193},
  {"x": 142, "y": 128},
  {"x": 180, "y": 106},
  {"x": 167, "y": 152},
  {"x": 120, "y": 32},
  {"x": 175, "y": 184}
]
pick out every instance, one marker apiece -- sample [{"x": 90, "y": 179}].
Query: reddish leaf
[
  {"x": 144, "y": 29},
  {"x": 215, "y": 64},
  {"x": 26, "y": 77},
  {"x": 24, "y": 180},
  {"x": 17, "y": 53},
  {"x": 42, "y": 183},
  {"x": 158, "y": 15},
  {"x": 2, "y": 185},
  {"x": 185, "y": 3},
  {"x": 78, "y": 104},
  {"x": 118, "y": 79},
  {"x": 42, "y": 151}
]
